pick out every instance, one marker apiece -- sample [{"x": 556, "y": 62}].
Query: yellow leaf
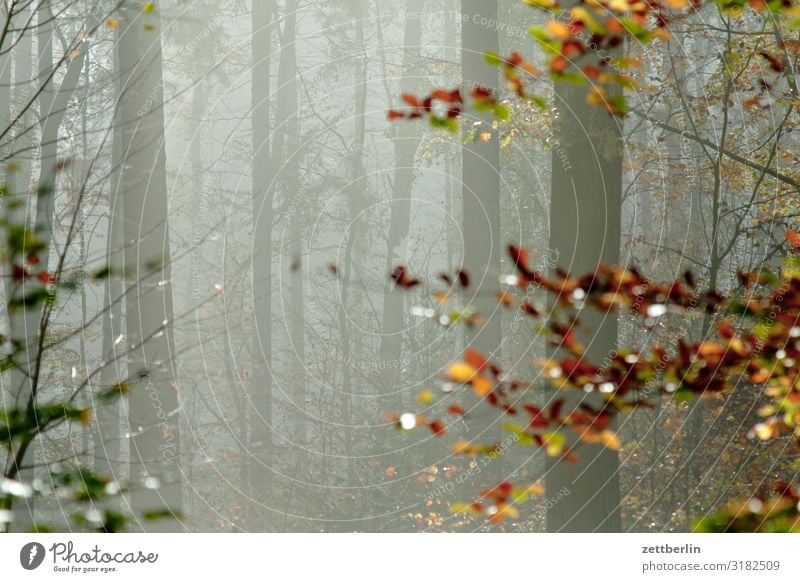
[
  {"x": 546, "y": 4},
  {"x": 596, "y": 96},
  {"x": 149, "y": 8},
  {"x": 554, "y": 442},
  {"x": 465, "y": 507},
  {"x": 462, "y": 447},
  {"x": 425, "y": 397},
  {"x": 662, "y": 34},
  {"x": 505, "y": 510},
  {"x": 461, "y": 372},
  {"x": 86, "y": 416},
  {"x": 558, "y": 29},
  {"x": 763, "y": 431},
  {"x": 112, "y": 24},
  {"x": 535, "y": 489},
  {"x": 610, "y": 439}
]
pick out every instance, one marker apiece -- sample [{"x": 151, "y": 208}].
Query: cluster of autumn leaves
[
  {"x": 755, "y": 342},
  {"x": 582, "y": 45}
]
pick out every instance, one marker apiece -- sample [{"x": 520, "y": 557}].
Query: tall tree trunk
[
  {"x": 153, "y": 403},
  {"x": 585, "y": 217},
  {"x": 406, "y": 142},
  {"x": 286, "y": 148},
  {"x": 480, "y": 178},
  {"x": 260, "y": 472},
  {"x": 346, "y": 510}
]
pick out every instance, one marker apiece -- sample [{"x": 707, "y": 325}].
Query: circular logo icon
[{"x": 31, "y": 555}]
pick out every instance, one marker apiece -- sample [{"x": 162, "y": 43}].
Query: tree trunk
[
  {"x": 263, "y": 194},
  {"x": 153, "y": 402},
  {"x": 480, "y": 177},
  {"x": 406, "y": 142},
  {"x": 585, "y": 216}
]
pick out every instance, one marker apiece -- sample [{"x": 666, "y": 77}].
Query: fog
[{"x": 232, "y": 164}]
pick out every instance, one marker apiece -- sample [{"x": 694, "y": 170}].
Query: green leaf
[
  {"x": 22, "y": 241},
  {"x": 102, "y": 273},
  {"x": 524, "y": 437},
  {"x": 448, "y": 123},
  {"x": 568, "y": 77},
  {"x": 31, "y": 300},
  {"x": 501, "y": 112},
  {"x": 554, "y": 441},
  {"x": 113, "y": 393},
  {"x": 493, "y": 58},
  {"x": 538, "y": 101},
  {"x": 156, "y": 514},
  {"x": 549, "y": 46}
]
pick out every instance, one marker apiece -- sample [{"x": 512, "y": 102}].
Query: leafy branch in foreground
[
  {"x": 756, "y": 343},
  {"x": 582, "y": 46}
]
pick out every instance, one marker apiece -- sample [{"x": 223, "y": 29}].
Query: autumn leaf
[
  {"x": 425, "y": 397},
  {"x": 461, "y": 372},
  {"x": 475, "y": 359},
  {"x": 793, "y": 238}
]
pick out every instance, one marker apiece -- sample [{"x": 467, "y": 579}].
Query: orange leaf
[
  {"x": 505, "y": 299},
  {"x": 482, "y": 386},
  {"x": 410, "y": 99},
  {"x": 475, "y": 359},
  {"x": 456, "y": 409},
  {"x": 793, "y": 238}
]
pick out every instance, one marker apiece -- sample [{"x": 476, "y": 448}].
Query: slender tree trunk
[
  {"x": 346, "y": 511},
  {"x": 286, "y": 149},
  {"x": 405, "y": 143},
  {"x": 153, "y": 402},
  {"x": 260, "y": 458},
  {"x": 480, "y": 192}
]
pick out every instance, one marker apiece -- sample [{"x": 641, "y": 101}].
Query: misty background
[{"x": 232, "y": 161}]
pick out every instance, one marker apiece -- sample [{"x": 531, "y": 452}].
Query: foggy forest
[{"x": 412, "y": 266}]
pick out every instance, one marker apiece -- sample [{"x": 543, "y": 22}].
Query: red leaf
[
  {"x": 18, "y": 273},
  {"x": 519, "y": 256},
  {"x": 775, "y": 63},
  {"x": 725, "y": 330},
  {"x": 529, "y": 309},
  {"x": 555, "y": 409},
  {"x": 401, "y": 278},
  {"x": 447, "y": 96},
  {"x": 475, "y": 359},
  {"x": 483, "y": 95},
  {"x": 436, "y": 427},
  {"x": 45, "y": 277},
  {"x": 463, "y": 278}
]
